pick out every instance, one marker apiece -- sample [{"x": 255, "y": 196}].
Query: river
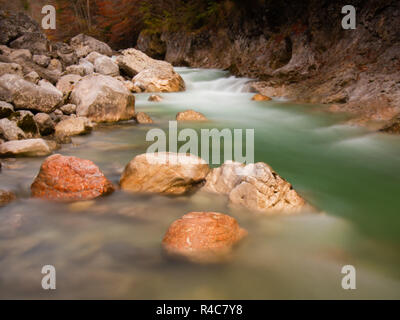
[{"x": 110, "y": 248}]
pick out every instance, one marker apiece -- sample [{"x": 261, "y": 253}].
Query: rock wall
[{"x": 299, "y": 50}]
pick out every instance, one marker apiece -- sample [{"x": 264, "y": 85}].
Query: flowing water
[{"x": 110, "y": 247}]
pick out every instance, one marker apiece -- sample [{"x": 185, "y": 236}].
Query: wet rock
[
  {"x": 255, "y": 186},
  {"x": 143, "y": 118},
  {"x": 10, "y": 131},
  {"x": 108, "y": 101},
  {"x": 203, "y": 237},
  {"x": 68, "y": 109},
  {"x": 105, "y": 65},
  {"x": 26, "y": 121},
  {"x": 6, "y": 197},
  {"x": 155, "y": 98},
  {"x": 74, "y": 126},
  {"x": 12, "y": 68},
  {"x": 44, "y": 123},
  {"x": 164, "y": 172},
  {"x": 41, "y": 60},
  {"x": 159, "y": 80},
  {"x": 26, "y": 95},
  {"x": 25, "y": 148},
  {"x": 190, "y": 115},
  {"x": 393, "y": 126},
  {"x": 83, "y": 45},
  {"x": 6, "y": 109},
  {"x": 260, "y": 97},
  {"x": 67, "y": 83},
  {"x": 32, "y": 77},
  {"x": 64, "y": 178}
]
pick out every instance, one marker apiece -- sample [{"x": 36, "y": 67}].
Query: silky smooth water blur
[{"x": 110, "y": 247}]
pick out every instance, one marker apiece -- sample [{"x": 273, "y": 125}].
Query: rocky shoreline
[{"x": 50, "y": 92}]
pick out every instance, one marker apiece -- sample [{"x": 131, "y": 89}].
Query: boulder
[
  {"x": 35, "y": 42},
  {"x": 74, "y": 126},
  {"x": 55, "y": 65},
  {"x": 190, "y": 115},
  {"x": 260, "y": 97},
  {"x": 26, "y": 95},
  {"x": 68, "y": 109},
  {"x": 44, "y": 123},
  {"x": 64, "y": 178},
  {"x": 164, "y": 172},
  {"x": 6, "y": 109},
  {"x": 159, "y": 80},
  {"x": 155, "y": 98},
  {"x": 133, "y": 61},
  {"x": 88, "y": 67},
  {"x": 26, "y": 121},
  {"x": 105, "y": 65},
  {"x": 67, "y": 83},
  {"x": 76, "y": 69},
  {"x": 25, "y": 148},
  {"x": 20, "y": 55},
  {"x": 66, "y": 53},
  {"x": 56, "y": 115},
  {"x": 41, "y": 60},
  {"x": 143, "y": 118},
  {"x": 12, "y": 68},
  {"x": 32, "y": 77},
  {"x": 10, "y": 131},
  {"x": 255, "y": 186},
  {"x": 91, "y": 57},
  {"x": 103, "y": 99},
  {"x": 6, "y": 197},
  {"x": 203, "y": 237},
  {"x": 83, "y": 45}
]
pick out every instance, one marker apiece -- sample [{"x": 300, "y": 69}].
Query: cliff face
[{"x": 300, "y": 50}]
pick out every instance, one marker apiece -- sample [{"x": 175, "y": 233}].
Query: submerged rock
[
  {"x": 6, "y": 197},
  {"x": 155, "y": 98},
  {"x": 25, "y": 148},
  {"x": 393, "y": 126},
  {"x": 26, "y": 95},
  {"x": 164, "y": 172},
  {"x": 255, "y": 186},
  {"x": 203, "y": 237},
  {"x": 260, "y": 97},
  {"x": 74, "y": 126},
  {"x": 143, "y": 118},
  {"x": 103, "y": 99},
  {"x": 64, "y": 178},
  {"x": 190, "y": 115}
]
